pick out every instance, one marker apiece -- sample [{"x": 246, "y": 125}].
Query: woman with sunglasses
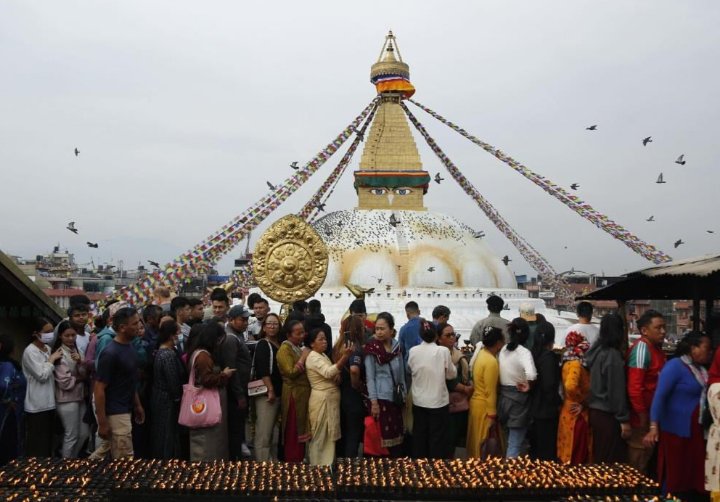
[
  {"x": 267, "y": 407},
  {"x": 460, "y": 388}
]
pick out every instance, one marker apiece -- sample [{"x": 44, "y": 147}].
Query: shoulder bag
[
  {"x": 398, "y": 388},
  {"x": 200, "y": 406},
  {"x": 256, "y": 387}
]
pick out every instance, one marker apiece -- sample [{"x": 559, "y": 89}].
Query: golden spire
[{"x": 390, "y": 174}]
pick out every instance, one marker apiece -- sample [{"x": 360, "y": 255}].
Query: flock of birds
[
  {"x": 393, "y": 221},
  {"x": 71, "y": 227},
  {"x": 660, "y": 180}
]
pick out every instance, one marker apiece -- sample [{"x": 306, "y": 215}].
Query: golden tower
[{"x": 390, "y": 174}]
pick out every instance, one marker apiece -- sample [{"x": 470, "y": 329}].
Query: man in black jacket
[{"x": 232, "y": 352}]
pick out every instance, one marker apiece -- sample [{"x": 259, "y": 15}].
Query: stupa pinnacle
[{"x": 391, "y": 174}]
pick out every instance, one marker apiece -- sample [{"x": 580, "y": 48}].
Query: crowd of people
[{"x": 114, "y": 386}]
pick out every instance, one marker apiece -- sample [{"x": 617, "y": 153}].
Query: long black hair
[
  {"x": 166, "y": 331},
  {"x": 492, "y": 336},
  {"x": 193, "y": 337},
  {"x": 210, "y": 334},
  {"x": 64, "y": 325},
  {"x": 544, "y": 335},
  {"x": 519, "y": 330},
  {"x": 612, "y": 331}
]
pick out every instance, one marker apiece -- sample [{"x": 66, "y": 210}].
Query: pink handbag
[{"x": 200, "y": 406}]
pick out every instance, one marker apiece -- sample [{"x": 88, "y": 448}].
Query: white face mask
[{"x": 47, "y": 338}]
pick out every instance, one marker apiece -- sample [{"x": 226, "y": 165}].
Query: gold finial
[{"x": 391, "y": 68}]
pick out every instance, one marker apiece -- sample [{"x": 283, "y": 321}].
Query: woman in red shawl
[{"x": 385, "y": 371}]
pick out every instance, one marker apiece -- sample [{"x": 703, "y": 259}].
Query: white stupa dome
[{"x": 421, "y": 250}]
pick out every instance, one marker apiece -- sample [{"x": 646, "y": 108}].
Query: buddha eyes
[{"x": 385, "y": 191}]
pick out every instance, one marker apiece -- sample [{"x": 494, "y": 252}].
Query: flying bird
[
  {"x": 478, "y": 234},
  {"x": 154, "y": 263},
  {"x": 506, "y": 259},
  {"x": 92, "y": 244},
  {"x": 77, "y": 152},
  {"x": 320, "y": 206},
  {"x": 379, "y": 279},
  {"x": 71, "y": 227},
  {"x": 438, "y": 178},
  {"x": 660, "y": 179},
  {"x": 575, "y": 186},
  {"x": 652, "y": 218},
  {"x": 681, "y": 160},
  {"x": 449, "y": 283},
  {"x": 678, "y": 243},
  {"x": 431, "y": 269},
  {"x": 294, "y": 165},
  {"x": 591, "y": 128},
  {"x": 710, "y": 231},
  {"x": 647, "y": 140},
  {"x": 270, "y": 185},
  {"x": 393, "y": 221}
]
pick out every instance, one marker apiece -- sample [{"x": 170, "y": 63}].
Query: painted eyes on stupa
[{"x": 396, "y": 191}]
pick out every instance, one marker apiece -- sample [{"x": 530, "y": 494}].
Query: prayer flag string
[
  {"x": 312, "y": 208},
  {"x": 582, "y": 208},
  {"x": 531, "y": 255},
  {"x": 199, "y": 259}
]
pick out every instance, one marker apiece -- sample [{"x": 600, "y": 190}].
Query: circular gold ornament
[{"x": 290, "y": 260}]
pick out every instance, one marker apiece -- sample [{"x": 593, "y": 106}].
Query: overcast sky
[{"x": 182, "y": 110}]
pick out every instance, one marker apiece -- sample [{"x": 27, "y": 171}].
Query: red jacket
[{"x": 644, "y": 362}]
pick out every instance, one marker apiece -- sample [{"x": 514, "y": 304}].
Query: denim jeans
[{"x": 516, "y": 438}]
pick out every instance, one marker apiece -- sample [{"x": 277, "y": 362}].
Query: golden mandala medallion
[{"x": 290, "y": 260}]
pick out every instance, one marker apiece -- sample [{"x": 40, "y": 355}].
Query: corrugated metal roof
[
  {"x": 694, "y": 278},
  {"x": 702, "y": 267}
]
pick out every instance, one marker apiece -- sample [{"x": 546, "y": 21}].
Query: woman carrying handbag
[
  {"x": 267, "y": 403},
  {"x": 207, "y": 443}
]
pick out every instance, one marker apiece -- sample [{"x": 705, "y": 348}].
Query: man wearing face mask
[{"x": 38, "y": 364}]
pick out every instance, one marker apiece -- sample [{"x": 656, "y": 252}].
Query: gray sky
[{"x": 182, "y": 110}]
